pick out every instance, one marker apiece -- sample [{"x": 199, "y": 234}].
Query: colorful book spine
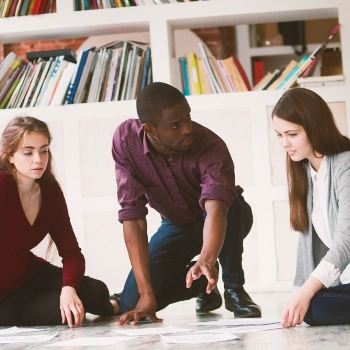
[{"x": 183, "y": 67}]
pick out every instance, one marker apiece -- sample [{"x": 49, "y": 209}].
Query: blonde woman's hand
[{"x": 71, "y": 304}]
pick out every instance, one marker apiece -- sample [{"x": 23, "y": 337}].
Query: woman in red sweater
[{"x": 32, "y": 291}]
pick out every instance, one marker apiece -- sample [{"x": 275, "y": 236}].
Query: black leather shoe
[
  {"x": 240, "y": 303},
  {"x": 208, "y": 302}
]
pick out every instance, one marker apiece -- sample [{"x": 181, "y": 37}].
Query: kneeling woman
[
  {"x": 32, "y": 291},
  {"x": 318, "y": 169}
]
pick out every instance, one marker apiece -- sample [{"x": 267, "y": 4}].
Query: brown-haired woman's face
[
  {"x": 31, "y": 158},
  {"x": 293, "y": 139}
]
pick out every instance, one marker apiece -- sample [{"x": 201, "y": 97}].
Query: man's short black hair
[{"x": 154, "y": 99}]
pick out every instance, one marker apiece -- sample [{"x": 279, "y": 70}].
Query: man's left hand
[{"x": 200, "y": 268}]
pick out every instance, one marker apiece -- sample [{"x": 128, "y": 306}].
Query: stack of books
[
  {"x": 287, "y": 77},
  {"x": 114, "y": 72},
  {"x": 208, "y": 75},
  {"x": 81, "y": 5},
  {"x": 10, "y": 8}
]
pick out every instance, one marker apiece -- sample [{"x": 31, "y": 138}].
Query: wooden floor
[{"x": 180, "y": 314}]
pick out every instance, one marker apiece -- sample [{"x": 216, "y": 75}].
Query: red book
[
  {"x": 242, "y": 73},
  {"x": 258, "y": 69},
  {"x": 13, "y": 8},
  {"x": 42, "y": 7},
  {"x": 36, "y": 6}
]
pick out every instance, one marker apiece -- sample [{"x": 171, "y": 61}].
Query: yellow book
[
  {"x": 120, "y": 4},
  {"x": 200, "y": 76},
  {"x": 7, "y": 8},
  {"x": 291, "y": 65},
  {"x": 193, "y": 73},
  {"x": 30, "y": 8}
]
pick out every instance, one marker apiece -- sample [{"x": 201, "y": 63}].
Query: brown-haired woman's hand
[{"x": 70, "y": 304}]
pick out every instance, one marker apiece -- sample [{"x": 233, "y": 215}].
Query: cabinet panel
[{"x": 233, "y": 126}]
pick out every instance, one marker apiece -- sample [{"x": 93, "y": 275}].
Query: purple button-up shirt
[{"x": 176, "y": 186}]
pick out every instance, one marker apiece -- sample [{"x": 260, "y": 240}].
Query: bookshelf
[
  {"x": 284, "y": 53},
  {"x": 82, "y": 133}
]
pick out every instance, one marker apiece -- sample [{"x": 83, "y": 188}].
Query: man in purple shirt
[{"x": 185, "y": 172}]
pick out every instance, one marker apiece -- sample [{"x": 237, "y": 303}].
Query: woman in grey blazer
[{"x": 318, "y": 171}]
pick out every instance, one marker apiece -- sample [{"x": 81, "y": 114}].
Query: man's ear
[{"x": 149, "y": 129}]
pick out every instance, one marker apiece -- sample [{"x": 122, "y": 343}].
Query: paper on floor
[
  {"x": 16, "y": 330},
  {"x": 238, "y": 322},
  {"x": 197, "y": 338},
  {"x": 87, "y": 341},
  {"x": 155, "y": 330},
  {"x": 27, "y": 338},
  {"x": 243, "y": 329}
]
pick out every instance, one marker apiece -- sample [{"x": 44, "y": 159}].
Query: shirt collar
[
  {"x": 322, "y": 171},
  {"x": 146, "y": 149}
]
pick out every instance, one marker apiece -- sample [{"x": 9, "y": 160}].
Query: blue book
[
  {"x": 146, "y": 64},
  {"x": 77, "y": 5},
  {"x": 24, "y": 8},
  {"x": 284, "y": 82},
  {"x": 72, "y": 89},
  {"x": 184, "y": 76}
]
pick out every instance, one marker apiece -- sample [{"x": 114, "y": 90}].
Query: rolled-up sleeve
[
  {"x": 217, "y": 175},
  {"x": 130, "y": 190}
]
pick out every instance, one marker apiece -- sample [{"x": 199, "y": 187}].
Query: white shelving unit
[{"x": 83, "y": 133}]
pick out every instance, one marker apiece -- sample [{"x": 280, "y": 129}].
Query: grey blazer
[{"x": 311, "y": 250}]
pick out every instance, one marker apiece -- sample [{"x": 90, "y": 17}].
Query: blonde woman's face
[
  {"x": 31, "y": 159},
  {"x": 293, "y": 139}
]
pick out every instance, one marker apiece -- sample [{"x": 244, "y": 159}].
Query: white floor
[{"x": 180, "y": 314}]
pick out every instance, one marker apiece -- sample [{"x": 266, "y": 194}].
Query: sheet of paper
[
  {"x": 87, "y": 341},
  {"x": 197, "y": 338},
  {"x": 243, "y": 329},
  {"x": 238, "y": 322},
  {"x": 16, "y": 330},
  {"x": 27, "y": 338},
  {"x": 155, "y": 330}
]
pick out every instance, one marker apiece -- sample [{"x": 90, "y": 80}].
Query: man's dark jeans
[
  {"x": 172, "y": 248},
  {"x": 330, "y": 306}
]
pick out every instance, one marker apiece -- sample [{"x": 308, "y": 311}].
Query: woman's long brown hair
[
  {"x": 11, "y": 140},
  {"x": 307, "y": 109}
]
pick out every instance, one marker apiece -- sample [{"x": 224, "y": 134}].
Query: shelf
[
  {"x": 68, "y": 24},
  {"x": 284, "y": 50},
  {"x": 127, "y": 109}
]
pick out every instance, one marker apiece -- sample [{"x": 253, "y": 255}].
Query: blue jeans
[
  {"x": 330, "y": 306},
  {"x": 172, "y": 248}
]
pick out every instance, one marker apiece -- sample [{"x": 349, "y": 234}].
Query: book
[
  {"x": 258, "y": 71},
  {"x": 205, "y": 53},
  {"x": 25, "y": 7},
  {"x": 236, "y": 77},
  {"x": 262, "y": 82},
  {"x": 193, "y": 69},
  {"x": 82, "y": 57},
  {"x": 291, "y": 65},
  {"x": 242, "y": 73},
  {"x": 68, "y": 54},
  {"x": 292, "y": 73},
  {"x": 320, "y": 51},
  {"x": 184, "y": 76}
]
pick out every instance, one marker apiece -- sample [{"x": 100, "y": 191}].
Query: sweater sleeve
[
  {"x": 63, "y": 235},
  {"x": 339, "y": 252}
]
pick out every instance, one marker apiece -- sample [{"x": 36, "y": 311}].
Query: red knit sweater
[{"x": 18, "y": 237}]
